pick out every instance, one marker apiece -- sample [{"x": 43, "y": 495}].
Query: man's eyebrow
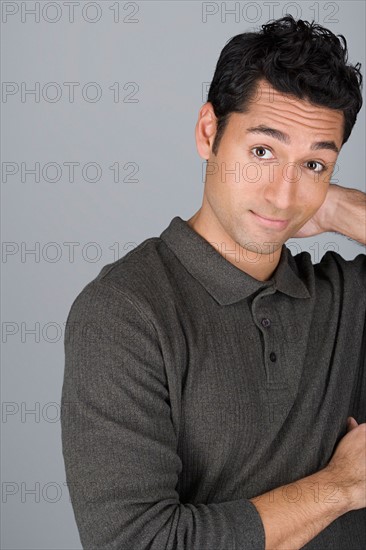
[
  {"x": 285, "y": 138},
  {"x": 324, "y": 145},
  {"x": 277, "y": 134}
]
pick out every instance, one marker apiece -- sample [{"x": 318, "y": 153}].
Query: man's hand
[
  {"x": 348, "y": 464},
  {"x": 343, "y": 211},
  {"x": 318, "y": 223},
  {"x": 291, "y": 524},
  {"x": 314, "y": 225}
]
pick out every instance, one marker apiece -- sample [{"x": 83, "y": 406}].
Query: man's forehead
[
  {"x": 288, "y": 113},
  {"x": 268, "y": 98}
]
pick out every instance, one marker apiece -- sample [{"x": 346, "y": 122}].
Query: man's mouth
[{"x": 270, "y": 222}]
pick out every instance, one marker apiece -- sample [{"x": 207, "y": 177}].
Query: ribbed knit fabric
[{"x": 191, "y": 387}]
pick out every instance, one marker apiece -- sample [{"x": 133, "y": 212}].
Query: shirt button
[
  {"x": 266, "y": 322},
  {"x": 272, "y": 356}
]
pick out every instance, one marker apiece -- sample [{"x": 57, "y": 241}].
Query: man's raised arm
[{"x": 343, "y": 211}]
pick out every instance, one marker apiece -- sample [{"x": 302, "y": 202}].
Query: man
[{"x": 214, "y": 389}]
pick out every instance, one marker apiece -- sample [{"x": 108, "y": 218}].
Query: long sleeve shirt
[{"x": 191, "y": 387}]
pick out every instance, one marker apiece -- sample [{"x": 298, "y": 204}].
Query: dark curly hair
[{"x": 300, "y": 58}]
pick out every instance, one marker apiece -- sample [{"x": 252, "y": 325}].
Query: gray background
[{"x": 170, "y": 53}]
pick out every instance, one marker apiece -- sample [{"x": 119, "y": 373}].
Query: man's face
[{"x": 255, "y": 172}]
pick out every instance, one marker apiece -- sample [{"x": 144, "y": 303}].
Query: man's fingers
[{"x": 351, "y": 423}]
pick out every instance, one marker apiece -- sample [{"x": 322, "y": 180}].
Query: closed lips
[{"x": 269, "y": 219}]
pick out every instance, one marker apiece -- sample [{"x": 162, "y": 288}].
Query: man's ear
[{"x": 205, "y": 130}]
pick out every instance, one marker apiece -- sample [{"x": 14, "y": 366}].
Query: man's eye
[
  {"x": 260, "y": 152},
  {"x": 315, "y": 166}
]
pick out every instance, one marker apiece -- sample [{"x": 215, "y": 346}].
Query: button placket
[{"x": 265, "y": 323}]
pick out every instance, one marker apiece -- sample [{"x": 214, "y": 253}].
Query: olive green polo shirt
[{"x": 191, "y": 387}]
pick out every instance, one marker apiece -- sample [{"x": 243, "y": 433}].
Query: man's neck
[{"x": 259, "y": 266}]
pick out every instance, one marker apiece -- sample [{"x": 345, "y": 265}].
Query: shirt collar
[{"x": 225, "y": 282}]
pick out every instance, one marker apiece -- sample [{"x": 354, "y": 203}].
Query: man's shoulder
[
  {"x": 139, "y": 271},
  {"x": 140, "y": 277},
  {"x": 332, "y": 267},
  {"x": 135, "y": 265}
]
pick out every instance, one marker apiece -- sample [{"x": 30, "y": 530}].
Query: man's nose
[{"x": 281, "y": 188}]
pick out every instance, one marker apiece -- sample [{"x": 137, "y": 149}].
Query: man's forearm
[
  {"x": 294, "y": 514},
  {"x": 347, "y": 213}
]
